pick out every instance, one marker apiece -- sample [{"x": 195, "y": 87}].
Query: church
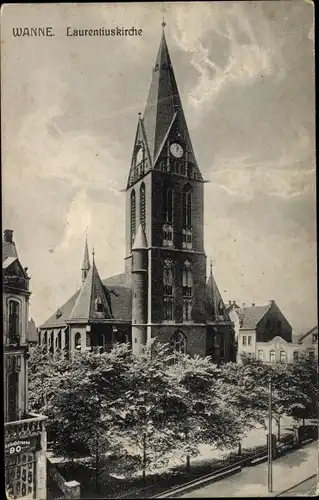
[{"x": 164, "y": 292}]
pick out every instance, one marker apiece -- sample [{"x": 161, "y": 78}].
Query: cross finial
[
  {"x": 163, "y": 11},
  {"x": 211, "y": 266},
  {"x": 93, "y": 253}
]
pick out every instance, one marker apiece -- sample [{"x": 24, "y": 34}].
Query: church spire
[
  {"x": 163, "y": 110},
  {"x": 86, "y": 266}
]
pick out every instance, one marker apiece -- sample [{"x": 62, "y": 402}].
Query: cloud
[
  {"x": 285, "y": 176},
  {"x": 251, "y": 50},
  {"x": 78, "y": 218}
]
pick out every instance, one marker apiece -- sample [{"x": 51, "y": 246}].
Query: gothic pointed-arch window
[
  {"x": 187, "y": 291},
  {"x": 14, "y": 322},
  {"x": 187, "y": 206},
  {"x": 178, "y": 342},
  {"x": 168, "y": 290},
  {"x": 98, "y": 304},
  {"x": 168, "y": 205},
  {"x": 133, "y": 216},
  {"x": 187, "y": 217},
  {"x": 142, "y": 206}
]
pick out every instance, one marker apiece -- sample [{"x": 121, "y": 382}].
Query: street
[
  {"x": 288, "y": 471},
  {"x": 306, "y": 488}
]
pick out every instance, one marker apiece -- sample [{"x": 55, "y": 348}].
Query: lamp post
[{"x": 270, "y": 482}]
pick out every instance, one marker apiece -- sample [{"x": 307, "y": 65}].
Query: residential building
[
  {"x": 25, "y": 434},
  {"x": 308, "y": 343},
  {"x": 263, "y": 329},
  {"x": 164, "y": 292}
]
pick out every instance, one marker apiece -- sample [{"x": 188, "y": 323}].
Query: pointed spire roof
[
  {"x": 163, "y": 104},
  {"x": 140, "y": 239},
  {"x": 86, "y": 260},
  {"x": 92, "y": 301}
]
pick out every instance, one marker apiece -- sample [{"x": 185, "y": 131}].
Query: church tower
[{"x": 165, "y": 197}]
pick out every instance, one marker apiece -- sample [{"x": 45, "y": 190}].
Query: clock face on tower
[{"x": 176, "y": 150}]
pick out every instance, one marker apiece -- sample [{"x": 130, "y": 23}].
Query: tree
[
  {"x": 208, "y": 420},
  {"x": 150, "y": 421}
]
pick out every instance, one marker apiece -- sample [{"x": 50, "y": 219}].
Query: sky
[{"x": 245, "y": 72}]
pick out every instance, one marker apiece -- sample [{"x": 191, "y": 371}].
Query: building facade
[
  {"x": 264, "y": 333},
  {"x": 25, "y": 434},
  {"x": 164, "y": 292}
]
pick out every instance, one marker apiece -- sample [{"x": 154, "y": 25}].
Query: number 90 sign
[{"x": 15, "y": 449}]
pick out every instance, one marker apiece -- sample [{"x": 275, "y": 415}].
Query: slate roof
[
  {"x": 214, "y": 300},
  {"x": 164, "y": 106},
  {"x": 8, "y": 250},
  {"x": 250, "y": 316},
  {"x": 120, "y": 298},
  {"x": 310, "y": 332},
  {"x": 92, "y": 291}
]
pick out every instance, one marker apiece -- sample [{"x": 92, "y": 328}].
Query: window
[
  {"x": 77, "y": 341},
  {"x": 272, "y": 356},
  {"x": 295, "y": 354},
  {"x": 14, "y": 322},
  {"x": 59, "y": 340},
  {"x": 314, "y": 338},
  {"x": 88, "y": 340},
  {"x": 187, "y": 238},
  {"x": 20, "y": 475},
  {"x": 261, "y": 355},
  {"x": 133, "y": 216},
  {"x": 13, "y": 389},
  {"x": 142, "y": 206},
  {"x": 311, "y": 354},
  {"x": 187, "y": 291},
  {"x": 249, "y": 340},
  {"x": 187, "y": 206},
  {"x": 283, "y": 356},
  {"x": 51, "y": 346},
  {"x": 244, "y": 340},
  {"x": 187, "y": 279},
  {"x": 98, "y": 304},
  {"x": 168, "y": 205},
  {"x": 178, "y": 342},
  {"x": 167, "y": 235},
  {"x": 168, "y": 290}
]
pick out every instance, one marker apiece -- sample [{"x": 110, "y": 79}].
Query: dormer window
[
  {"x": 98, "y": 304},
  {"x": 139, "y": 155},
  {"x": 58, "y": 314}
]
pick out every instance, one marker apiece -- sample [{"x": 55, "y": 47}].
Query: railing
[{"x": 33, "y": 424}]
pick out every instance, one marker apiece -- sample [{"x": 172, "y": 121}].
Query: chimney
[
  {"x": 229, "y": 302},
  {"x": 234, "y": 302},
  {"x": 253, "y": 304},
  {"x": 272, "y": 301},
  {"x": 7, "y": 235},
  {"x": 244, "y": 305}
]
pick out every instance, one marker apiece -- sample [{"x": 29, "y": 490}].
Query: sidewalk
[{"x": 252, "y": 481}]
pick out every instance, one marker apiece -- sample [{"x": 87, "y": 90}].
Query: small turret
[
  {"x": 86, "y": 266},
  {"x": 139, "y": 290}
]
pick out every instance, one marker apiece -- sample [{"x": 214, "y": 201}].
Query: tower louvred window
[
  {"x": 168, "y": 290},
  {"x": 133, "y": 216},
  {"x": 187, "y": 206},
  {"x": 142, "y": 206},
  {"x": 168, "y": 205}
]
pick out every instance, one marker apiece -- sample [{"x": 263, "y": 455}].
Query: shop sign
[{"x": 21, "y": 445}]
